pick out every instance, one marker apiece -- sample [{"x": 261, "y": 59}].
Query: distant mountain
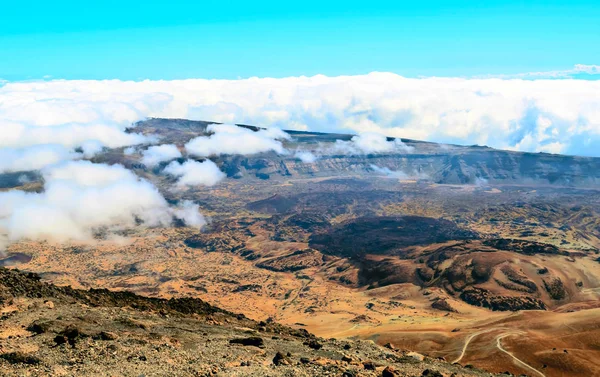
[{"x": 439, "y": 163}]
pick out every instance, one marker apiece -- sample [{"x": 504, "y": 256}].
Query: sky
[
  {"x": 517, "y": 75},
  {"x": 158, "y": 40}
]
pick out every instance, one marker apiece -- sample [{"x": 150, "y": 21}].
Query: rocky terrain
[
  {"x": 478, "y": 256},
  {"x": 60, "y": 331}
]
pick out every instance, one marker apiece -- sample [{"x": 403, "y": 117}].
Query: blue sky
[{"x": 135, "y": 40}]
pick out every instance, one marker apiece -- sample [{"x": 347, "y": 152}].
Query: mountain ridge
[{"x": 440, "y": 163}]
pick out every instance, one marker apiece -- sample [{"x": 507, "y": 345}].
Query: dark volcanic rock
[
  {"x": 376, "y": 273},
  {"x": 280, "y": 359},
  {"x": 431, "y": 373},
  {"x": 107, "y": 335},
  {"x": 39, "y": 327},
  {"x": 385, "y": 235},
  {"x": 15, "y": 283},
  {"x": 444, "y": 305},
  {"x": 15, "y": 260},
  {"x": 274, "y": 204},
  {"x": 555, "y": 288},
  {"x": 196, "y": 242},
  {"x": 248, "y": 287},
  {"x": 483, "y": 297},
  {"x": 314, "y": 344},
  {"x": 20, "y": 358},
  {"x": 307, "y": 221},
  {"x": 425, "y": 273},
  {"x": 298, "y": 260},
  {"x": 524, "y": 247},
  {"x": 521, "y": 282},
  {"x": 71, "y": 334},
  {"x": 255, "y": 341}
]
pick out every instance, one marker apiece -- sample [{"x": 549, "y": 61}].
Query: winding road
[
  {"x": 499, "y": 346},
  {"x": 467, "y": 341},
  {"x": 518, "y": 361}
]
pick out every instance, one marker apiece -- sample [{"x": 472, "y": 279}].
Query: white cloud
[
  {"x": 398, "y": 174},
  {"x": 578, "y": 69},
  {"x": 193, "y": 173},
  {"x": 86, "y": 173},
  {"x": 69, "y": 135},
  {"x": 372, "y": 142},
  {"x": 306, "y": 157},
  {"x": 498, "y": 112},
  {"x": 36, "y": 140},
  {"x": 33, "y": 158},
  {"x": 91, "y": 148},
  {"x": 159, "y": 153},
  {"x": 230, "y": 139},
  {"x": 79, "y": 198},
  {"x": 364, "y": 143},
  {"x": 190, "y": 214},
  {"x": 74, "y": 114}
]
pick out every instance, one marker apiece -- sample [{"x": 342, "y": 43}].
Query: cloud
[
  {"x": 498, "y": 112},
  {"x": 159, "y": 153},
  {"x": 53, "y": 143},
  {"x": 371, "y": 142},
  {"x": 67, "y": 114},
  {"x": 306, "y": 157},
  {"x": 577, "y": 70},
  {"x": 88, "y": 174},
  {"x": 80, "y": 198},
  {"x": 230, "y": 139},
  {"x": 364, "y": 143},
  {"x": 33, "y": 158},
  {"x": 194, "y": 173},
  {"x": 91, "y": 148},
  {"x": 189, "y": 213},
  {"x": 68, "y": 135},
  {"x": 398, "y": 174}
]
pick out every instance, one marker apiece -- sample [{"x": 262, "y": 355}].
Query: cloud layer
[
  {"x": 80, "y": 198},
  {"x": 528, "y": 115},
  {"x": 231, "y": 139}
]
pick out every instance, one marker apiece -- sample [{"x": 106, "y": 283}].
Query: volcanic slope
[{"x": 48, "y": 330}]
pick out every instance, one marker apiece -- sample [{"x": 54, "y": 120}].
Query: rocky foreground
[{"x": 47, "y": 330}]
